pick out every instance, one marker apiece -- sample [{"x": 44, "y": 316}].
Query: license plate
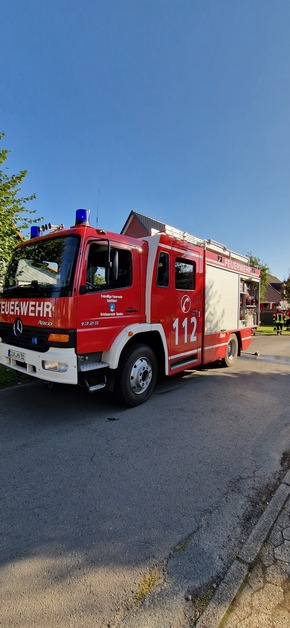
[{"x": 16, "y": 355}]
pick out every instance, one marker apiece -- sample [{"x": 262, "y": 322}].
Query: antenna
[{"x": 98, "y": 206}]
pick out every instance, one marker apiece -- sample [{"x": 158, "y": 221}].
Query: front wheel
[
  {"x": 136, "y": 375},
  {"x": 232, "y": 351}
]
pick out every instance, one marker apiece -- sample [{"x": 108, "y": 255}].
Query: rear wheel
[
  {"x": 232, "y": 351},
  {"x": 136, "y": 375}
]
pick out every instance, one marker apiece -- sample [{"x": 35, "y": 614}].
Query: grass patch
[
  {"x": 8, "y": 377},
  {"x": 150, "y": 580},
  {"x": 200, "y": 599},
  {"x": 269, "y": 330}
]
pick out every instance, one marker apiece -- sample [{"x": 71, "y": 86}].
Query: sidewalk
[{"x": 255, "y": 592}]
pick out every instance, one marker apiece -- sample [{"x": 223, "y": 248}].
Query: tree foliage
[
  {"x": 255, "y": 262},
  {"x": 15, "y": 218},
  {"x": 286, "y": 289}
]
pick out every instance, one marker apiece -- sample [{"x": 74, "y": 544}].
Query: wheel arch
[{"x": 149, "y": 335}]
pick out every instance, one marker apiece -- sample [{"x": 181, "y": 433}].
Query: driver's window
[{"x": 96, "y": 267}]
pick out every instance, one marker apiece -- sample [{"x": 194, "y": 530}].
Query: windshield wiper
[
  {"x": 27, "y": 291},
  {"x": 7, "y": 289}
]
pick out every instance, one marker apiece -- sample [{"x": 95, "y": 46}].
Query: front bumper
[{"x": 32, "y": 363}]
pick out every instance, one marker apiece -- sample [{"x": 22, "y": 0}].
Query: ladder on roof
[{"x": 210, "y": 245}]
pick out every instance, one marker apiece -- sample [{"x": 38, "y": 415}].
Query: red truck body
[{"x": 84, "y": 306}]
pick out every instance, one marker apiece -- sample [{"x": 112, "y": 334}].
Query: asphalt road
[{"x": 92, "y": 495}]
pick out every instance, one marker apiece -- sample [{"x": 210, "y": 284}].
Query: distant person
[{"x": 279, "y": 318}]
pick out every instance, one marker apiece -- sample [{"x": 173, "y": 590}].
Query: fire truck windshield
[{"x": 43, "y": 268}]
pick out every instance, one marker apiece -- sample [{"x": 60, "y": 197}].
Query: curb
[{"x": 239, "y": 569}]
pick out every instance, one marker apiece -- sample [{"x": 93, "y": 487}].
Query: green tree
[
  {"x": 255, "y": 262},
  {"x": 14, "y": 215},
  {"x": 286, "y": 289}
]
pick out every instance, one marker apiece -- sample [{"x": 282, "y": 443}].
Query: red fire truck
[{"x": 85, "y": 306}]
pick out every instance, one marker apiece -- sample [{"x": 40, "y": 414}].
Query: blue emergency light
[
  {"x": 34, "y": 231},
  {"x": 82, "y": 216}
]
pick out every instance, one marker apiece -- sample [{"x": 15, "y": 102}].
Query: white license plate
[{"x": 16, "y": 355}]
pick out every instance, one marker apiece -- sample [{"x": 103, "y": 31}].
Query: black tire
[
  {"x": 232, "y": 351},
  {"x": 137, "y": 374}
]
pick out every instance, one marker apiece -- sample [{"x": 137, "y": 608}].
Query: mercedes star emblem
[{"x": 17, "y": 327}]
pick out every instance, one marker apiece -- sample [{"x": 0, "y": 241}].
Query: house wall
[{"x": 135, "y": 229}]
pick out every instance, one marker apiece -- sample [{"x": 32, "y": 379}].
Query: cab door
[
  {"x": 108, "y": 302},
  {"x": 186, "y": 309},
  {"x": 178, "y": 303}
]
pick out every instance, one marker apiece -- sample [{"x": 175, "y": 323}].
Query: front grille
[{"x": 33, "y": 338}]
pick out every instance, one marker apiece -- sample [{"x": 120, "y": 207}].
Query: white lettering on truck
[
  {"x": 241, "y": 268},
  {"x": 26, "y": 308}
]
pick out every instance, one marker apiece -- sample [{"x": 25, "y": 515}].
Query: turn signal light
[{"x": 58, "y": 338}]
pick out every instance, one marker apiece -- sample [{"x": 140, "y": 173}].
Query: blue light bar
[
  {"x": 34, "y": 231},
  {"x": 82, "y": 216}
]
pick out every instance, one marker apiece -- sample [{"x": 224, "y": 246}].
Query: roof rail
[
  {"x": 183, "y": 235},
  {"x": 210, "y": 244}
]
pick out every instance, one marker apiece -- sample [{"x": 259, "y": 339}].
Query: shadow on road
[{"x": 92, "y": 494}]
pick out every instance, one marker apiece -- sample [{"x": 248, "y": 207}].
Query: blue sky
[{"x": 177, "y": 109}]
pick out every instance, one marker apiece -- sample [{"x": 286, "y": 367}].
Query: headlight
[{"x": 58, "y": 367}]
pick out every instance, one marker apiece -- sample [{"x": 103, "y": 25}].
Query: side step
[
  {"x": 184, "y": 362},
  {"x": 92, "y": 366},
  {"x": 97, "y": 382},
  {"x": 92, "y": 389}
]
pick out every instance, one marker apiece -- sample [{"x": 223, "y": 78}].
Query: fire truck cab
[{"x": 85, "y": 306}]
